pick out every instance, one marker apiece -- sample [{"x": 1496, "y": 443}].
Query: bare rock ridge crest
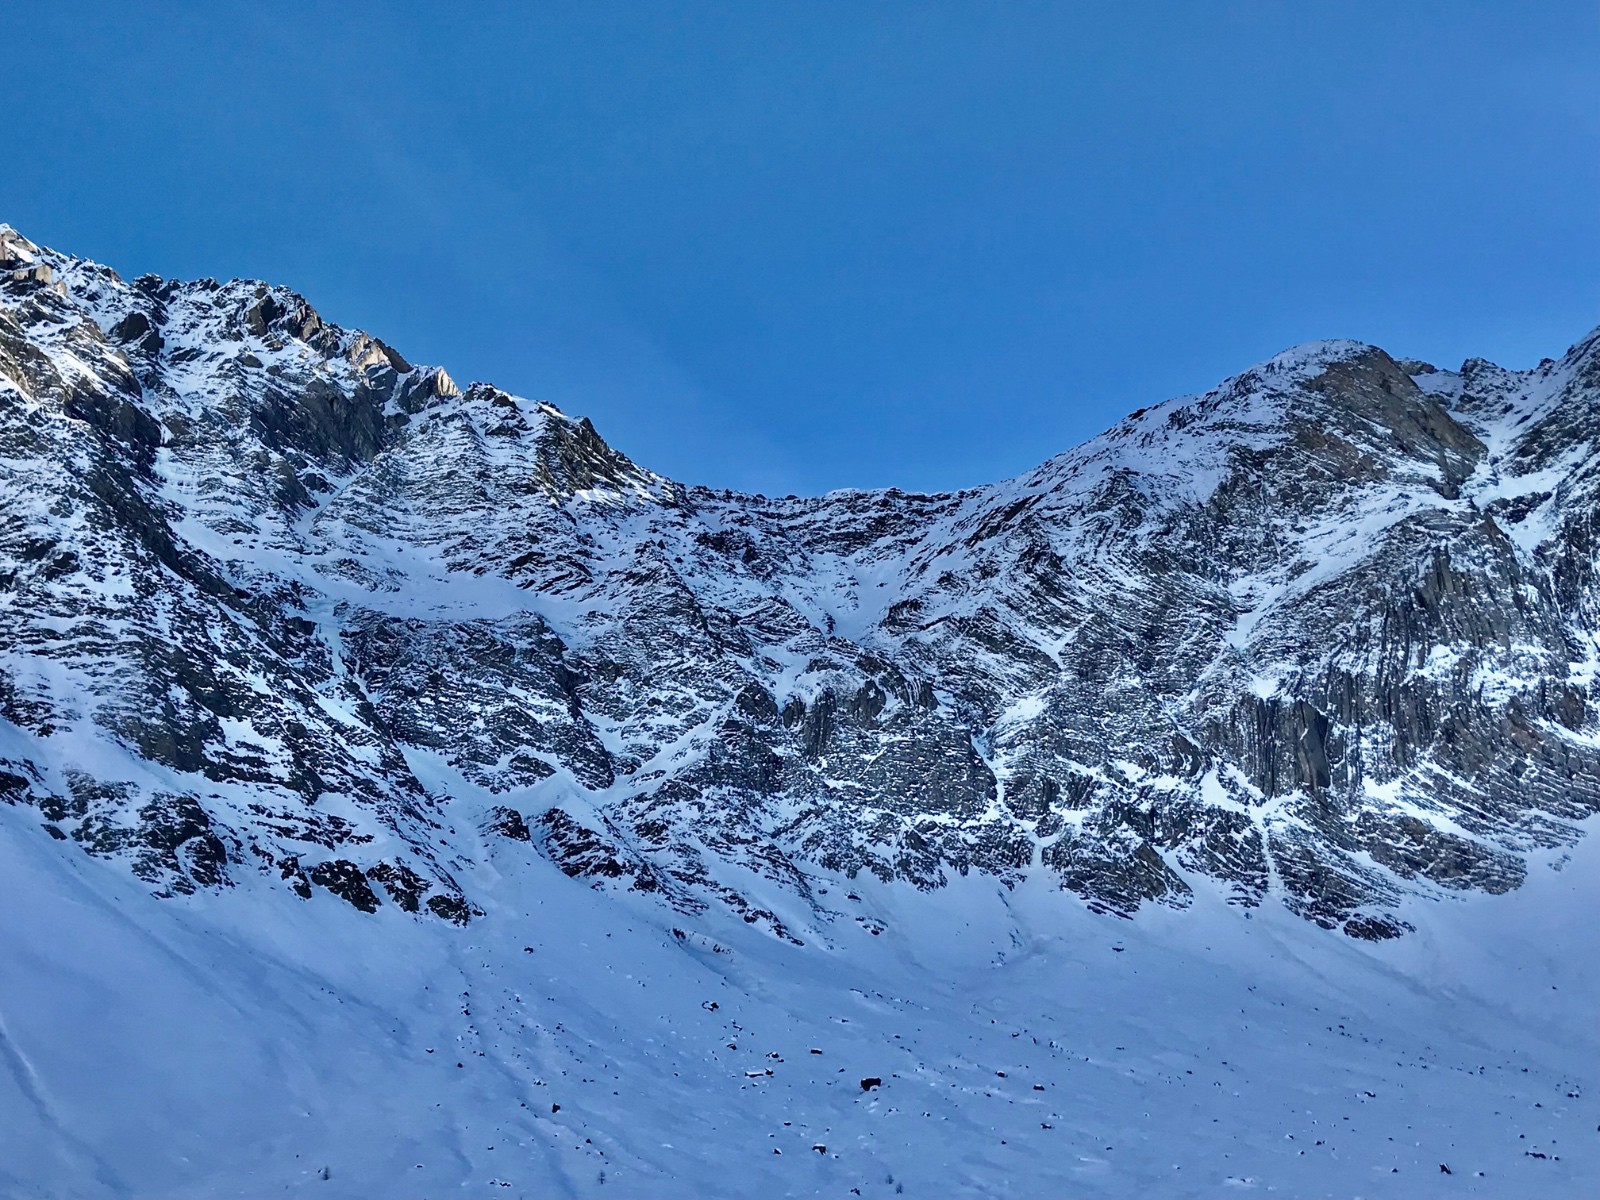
[{"x": 280, "y": 609}]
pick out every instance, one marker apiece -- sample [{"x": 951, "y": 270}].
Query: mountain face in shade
[
  {"x": 275, "y": 603},
  {"x": 405, "y": 793}
]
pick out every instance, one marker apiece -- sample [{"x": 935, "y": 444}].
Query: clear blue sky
[{"x": 796, "y": 246}]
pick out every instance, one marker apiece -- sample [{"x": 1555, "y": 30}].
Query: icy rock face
[{"x": 275, "y": 603}]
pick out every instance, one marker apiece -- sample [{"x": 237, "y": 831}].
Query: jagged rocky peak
[
  {"x": 20, "y": 261},
  {"x": 277, "y": 604},
  {"x": 15, "y": 250}
]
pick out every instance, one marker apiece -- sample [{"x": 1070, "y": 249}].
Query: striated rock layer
[{"x": 276, "y": 603}]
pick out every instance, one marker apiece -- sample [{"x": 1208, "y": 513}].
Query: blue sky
[{"x": 798, "y": 246}]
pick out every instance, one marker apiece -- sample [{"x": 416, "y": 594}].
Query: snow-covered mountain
[{"x": 327, "y": 685}]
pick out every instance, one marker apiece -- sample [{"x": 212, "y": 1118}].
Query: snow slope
[{"x": 236, "y": 1047}]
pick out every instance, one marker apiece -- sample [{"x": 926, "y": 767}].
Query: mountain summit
[{"x": 276, "y": 603}]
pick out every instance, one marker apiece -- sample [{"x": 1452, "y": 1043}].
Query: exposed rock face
[{"x": 276, "y": 603}]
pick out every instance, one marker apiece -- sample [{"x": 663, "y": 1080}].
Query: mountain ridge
[{"x": 1322, "y": 635}]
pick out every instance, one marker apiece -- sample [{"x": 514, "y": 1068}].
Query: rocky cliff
[{"x": 277, "y": 605}]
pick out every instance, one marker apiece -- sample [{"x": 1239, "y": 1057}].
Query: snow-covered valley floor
[{"x": 570, "y": 1044}]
